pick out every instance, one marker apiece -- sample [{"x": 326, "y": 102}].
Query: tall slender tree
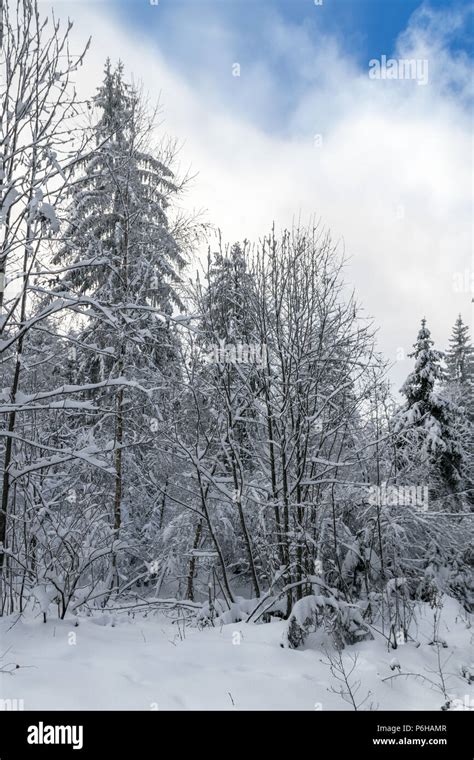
[
  {"x": 459, "y": 356},
  {"x": 121, "y": 252}
]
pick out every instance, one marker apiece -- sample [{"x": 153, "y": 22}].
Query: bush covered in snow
[
  {"x": 340, "y": 620},
  {"x": 216, "y": 610}
]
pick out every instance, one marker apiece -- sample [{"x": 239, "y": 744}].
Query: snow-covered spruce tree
[
  {"x": 459, "y": 357},
  {"x": 225, "y": 311},
  {"x": 210, "y": 434},
  {"x": 227, "y": 332},
  {"x": 459, "y": 385},
  {"x": 407, "y": 531},
  {"x": 122, "y": 252},
  {"x": 228, "y": 338},
  {"x": 431, "y": 428}
]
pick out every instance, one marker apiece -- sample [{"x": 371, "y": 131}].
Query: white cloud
[{"x": 392, "y": 176}]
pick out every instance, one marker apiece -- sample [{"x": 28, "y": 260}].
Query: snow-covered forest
[{"x": 201, "y": 449}]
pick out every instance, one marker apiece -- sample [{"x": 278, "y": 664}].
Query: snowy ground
[{"x": 143, "y": 664}]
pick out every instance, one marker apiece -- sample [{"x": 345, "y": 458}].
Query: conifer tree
[
  {"x": 121, "y": 251},
  {"x": 460, "y": 386},
  {"x": 459, "y": 356},
  {"x": 431, "y": 426}
]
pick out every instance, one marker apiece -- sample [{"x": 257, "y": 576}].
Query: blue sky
[
  {"x": 369, "y": 27},
  {"x": 201, "y": 38}
]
